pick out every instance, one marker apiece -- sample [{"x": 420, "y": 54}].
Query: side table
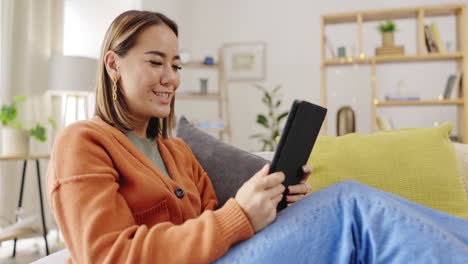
[{"x": 27, "y": 231}]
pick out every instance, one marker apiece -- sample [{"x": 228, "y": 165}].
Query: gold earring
[{"x": 114, "y": 88}]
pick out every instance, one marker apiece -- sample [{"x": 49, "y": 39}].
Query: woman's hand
[
  {"x": 299, "y": 191},
  {"x": 260, "y": 195}
]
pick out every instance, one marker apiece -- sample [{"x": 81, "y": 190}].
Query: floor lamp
[{"x": 72, "y": 77}]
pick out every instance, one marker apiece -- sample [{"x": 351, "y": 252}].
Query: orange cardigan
[{"x": 113, "y": 205}]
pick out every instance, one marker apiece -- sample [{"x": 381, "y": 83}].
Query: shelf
[
  {"x": 200, "y": 65},
  {"x": 340, "y": 18},
  {"x": 17, "y": 233},
  {"x": 416, "y": 102},
  {"x": 443, "y": 10},
  {"x": 214, "y": 129},
  {"x": 347, "y": 60},
  {"x": 390, "y": 59},
  {"x": 425, "y": 57},
  {"x": 209, "y": 96},
  {"x": 400, "y": 13}
]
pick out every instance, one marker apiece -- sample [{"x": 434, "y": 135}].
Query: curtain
[{"x": 31, "y": 31}]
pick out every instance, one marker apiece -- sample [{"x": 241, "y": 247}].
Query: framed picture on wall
[{"x": 244, "y": 61}]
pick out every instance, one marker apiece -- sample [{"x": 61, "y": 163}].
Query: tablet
[{"x": 297, "y": 140}]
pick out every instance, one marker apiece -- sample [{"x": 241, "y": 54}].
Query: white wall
[
  {"x": 178, "y": 11},
  {"x": 86, "y": 22},
  {"x": 291, "y": 30}
]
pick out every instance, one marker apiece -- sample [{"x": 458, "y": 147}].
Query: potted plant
[
  {"x": 387, "y": 30},
  {"x": 271, "y": 121},
  {"x": 39, "y": 132},
  {"x": 15, "y": 139}
]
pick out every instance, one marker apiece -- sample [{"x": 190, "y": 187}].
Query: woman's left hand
[{"x": 299, "y": 191}]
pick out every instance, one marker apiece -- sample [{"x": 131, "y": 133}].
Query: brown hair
[{"x": 120, "y": 37}]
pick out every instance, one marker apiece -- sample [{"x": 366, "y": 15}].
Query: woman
[{"x": 123, "y": 191}]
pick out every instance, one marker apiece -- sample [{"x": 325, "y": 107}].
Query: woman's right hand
[{"x": 259, "y": 197}]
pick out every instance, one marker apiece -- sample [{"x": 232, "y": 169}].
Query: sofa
[
  {"x": 227, "y": 178},
  {"x": 61, "y": 256}
]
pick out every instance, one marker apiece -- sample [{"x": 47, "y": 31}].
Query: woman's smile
[{"x": 163, "y": 97}]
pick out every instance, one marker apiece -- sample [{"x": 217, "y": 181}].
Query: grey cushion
[{"x": 227, "y": 166}]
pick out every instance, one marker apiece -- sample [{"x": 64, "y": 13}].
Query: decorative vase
[
  {"x": 345, "y": 121},
  {"x": 185, "y": 55},
  {"x": 15, "y": 142},
  {"x": 203, "y": 86},
  {"x": 387, "y": 39},
  {"x": 341, "y": 51}
]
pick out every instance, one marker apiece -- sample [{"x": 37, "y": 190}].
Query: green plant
[
  {"x": 9, "y": 117},
  {"x": 271, "y": 120},
  {"x": 39, "y": 132},
  {"x": 9, "y": 113},
  {"x": 387, "y": 27}
]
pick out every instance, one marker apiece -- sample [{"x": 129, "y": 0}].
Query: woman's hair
[{"x": 120, "y": 37}]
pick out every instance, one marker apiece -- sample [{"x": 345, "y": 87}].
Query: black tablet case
[{"x": 297, "y": 140}]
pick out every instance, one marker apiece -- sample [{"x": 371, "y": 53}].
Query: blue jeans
[{"x": 353, "y": 223}]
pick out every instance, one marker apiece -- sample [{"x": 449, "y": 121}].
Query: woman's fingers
[
  {"x": 277, "y": 199},
  {"x": 275, "y": 191},
  {"x": 301, "y": 188},
  {"x": 294, "y": 198},
  {"x": 262, "y": 172},
  {"x": 307, "y": 170},
  {"x": 271, "y": 180}
]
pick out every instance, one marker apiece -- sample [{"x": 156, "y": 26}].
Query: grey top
[{"x": 149, "y": 147}]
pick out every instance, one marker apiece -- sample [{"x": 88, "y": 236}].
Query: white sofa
[{"x": 462, "y": 157}]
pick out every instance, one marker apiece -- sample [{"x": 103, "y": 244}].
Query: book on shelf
[
  {"x": 430, "y": 42},
  {"x": 436, "y": 36},
  {"x": 384, "y": 123},
  {"x": 432, "y": 36},
  {"x": 330, "y": 47},
  {"x": 213, "y": 124},
  {"x": 402, "y": 98},
  {"x": 452, "y": 86}
]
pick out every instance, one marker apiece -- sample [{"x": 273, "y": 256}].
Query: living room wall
[
  {"x": 86, "y": 21},
  {"x": 292, "y": 31}
]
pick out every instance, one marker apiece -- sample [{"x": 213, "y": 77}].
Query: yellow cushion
[{"x": 418, "y": 164}]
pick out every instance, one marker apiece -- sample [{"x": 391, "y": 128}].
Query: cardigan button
[{"x": 179, "y": 192}]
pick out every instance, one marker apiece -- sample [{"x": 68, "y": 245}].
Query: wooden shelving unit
[
  {"x": 419, "y": 14},
  {"x": 221, "y": 98},
  {"x": 392, "y": 59},
  {"x": 201, "y": 65},
  {"x": 194, "y": 96},
  {"x": 433, "y": 102}
]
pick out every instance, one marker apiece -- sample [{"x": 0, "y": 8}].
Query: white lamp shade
[{"x": 72, "y": 74}]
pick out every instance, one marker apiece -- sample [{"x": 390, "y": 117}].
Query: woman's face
[{"x": 149, "y": 73}]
